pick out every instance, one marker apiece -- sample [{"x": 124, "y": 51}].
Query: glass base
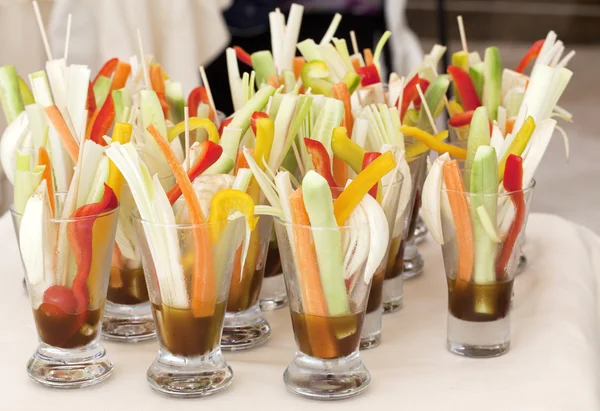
[
  {"x": 272, "y": 293},
  {"x": 273, "y": 304},
  {"x": 319, "y": 379},
  {"x": 370, "y": 336},
  {"x": 392, "y": 294},
  {"x": 130, "y": 324},
  {"x": 193, "y": 377},
  {"x": 478, "y": 339},
  {"x": 244, "y": 330},
  {"x": 420, "y": 231},
  {"x": 69, "y": 368},
  {"x": 413, "y": 261},
  {"x": 522, "y": 262}
]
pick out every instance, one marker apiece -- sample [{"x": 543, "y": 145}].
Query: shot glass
[
  {"x": 128, "y": 317},
  {"x": 245, "y": 325},
  {"x": 188, "y": 272},
  {"x": 393, "y": 282},
  {"x": 371, "y": 331},
  {"x": 67, "y": 290},
  {"x": 272, "y": 293},
  {"x": 480, "y": 276},
  {"x": 327, "y": 324}
]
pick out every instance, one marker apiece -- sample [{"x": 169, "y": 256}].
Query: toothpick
[
  {"x": 210, "y": 96},
  {"x": 354, "y": 42},
  {"x": 463, "y": 36},
  {"x": 68, "y": 37},
  {"x": 424, "y": 104},
  {"x": 40, "y": 22},
  {"x": 186, "y": 118},
  {"x": 298, "y": 158},
  {"x": 144, "y": 65}
]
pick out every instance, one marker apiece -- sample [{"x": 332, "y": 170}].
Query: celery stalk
[
  {"x": 492, "y": 87},
  {"x": 10, "y": 93},
  {"x": 26, "y": 93},
  {"x": 151, "y": 113},
  {"x": 241, "y": 119},
  {"x": 176, "y": 99},
  {"x": 289, "y": 80},
  {"x": 263, "y": 65},
  {"x": 309, "y": 50},
  {"x": 41, "y": 88},
  {"x": 122, "y": 100}
]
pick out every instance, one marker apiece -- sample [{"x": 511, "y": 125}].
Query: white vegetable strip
[
  {"x": 90, "y": 162},
  {"x": 431, "y": 210},
  {"x": 277, "y": 28},
  {"x": 292, "y": 30},
  {"x": 355, "y": 251},
  {"x": 379, "y": 235},
  {"x": 333, "y": 26},
  {"x": 263, "y": 181},
  {"x": 12, "y": 139},
  {"x": 78, "y": 78},
  {"x": 284, "y": 118},
  {"x": 235, "y": 81}
]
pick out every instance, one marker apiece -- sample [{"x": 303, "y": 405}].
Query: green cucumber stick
[
  {"x": 479, "y": 135},
  {"x": 101, "y": 90},
  {"x": 492, "y": 85},
  {"x": 352, "y": 80},
  {"x": 434, "y": 98},
  {"x": 176, "y": 99},
  {"x": 26, "y": 93},
  {"x": 484, "y": 181},
  {"x": 328, "y": 242},
  {"x": 476, "y": 74},
  {"x": 263, "y": 65},
  {"x": 459, "y": 59},
  {"x": 10, "y": 93},
  {"x": 241, "y": 119},
  {"x": 122, "y": 101}
]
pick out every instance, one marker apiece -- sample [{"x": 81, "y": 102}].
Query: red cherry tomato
[{"x": 59, "y": 301}]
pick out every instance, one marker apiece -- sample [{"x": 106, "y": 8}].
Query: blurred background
[{"x": 184, "y": 34}]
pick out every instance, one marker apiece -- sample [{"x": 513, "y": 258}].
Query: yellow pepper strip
[
  {"x": 360, "y": 186},
  {"x": 517, "y": 146},
  {"x": 25, "y": 92},
  {"x": 122, "y": 135},
  {"x": 455, "y": 108},
  {"x": 265, "y": 133},
  {"x": 417, "y": 148},
  {"x": 223, "y": 203},
  {"x": 431, "y": 142},
  {"x": 195, "y": 123},
  {"x": 346, "y": 149}
]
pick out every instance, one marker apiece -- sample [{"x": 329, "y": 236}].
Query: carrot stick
[
  {"x": 44, "y": 160},
  {"x": 510, "y": 125},
  {"x": 121, "y": 75},
  {"x": 157, "y": 78},
  {"x": 63, "y": 131},
  {"x": 368, "y": 57},
  {"x": 273, "y": 80},
  {"x": 204, "y": 286},
  {"x": 462, "y": 220},
  {"x": 355, "y": 62},
  {"x": 310, "y": 279},
  {"x": 340, "y": 169},
  {"x": 299, "y": 63}
]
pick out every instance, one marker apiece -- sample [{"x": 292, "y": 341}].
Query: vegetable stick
[
  {"x": 211, "y": 101},
  {"x": 368, "y": 56},
  {"x": 204, "y": 287},
  {"x": 121, "y": 74},
  {"x": 434, "y": 142},
  {"x": 299, "y": 63},
  {"x": 40, "y": 22},
  {"x": 186, "y": 118},
  {"x": 290, "y": 39},
  {"x": 143, "y": 56},
  {"x": 44, "y": 160},
  {"x": 63, "y": 131},
  {"x": 67, "y": 39},
  {"x": 335, "y": 22},
  {"x": 462, "y": 219},
  {"x": 426, "y": 108}
]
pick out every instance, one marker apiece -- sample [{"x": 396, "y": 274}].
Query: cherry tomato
[{"x": 59, "y": 301}]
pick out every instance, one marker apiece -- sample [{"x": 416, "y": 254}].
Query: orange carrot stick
[
  {"x": 340, "y": 169},
  {"x": 273, "y": 80},
  {"x": 299, "y": 63},
  {"x": 462, "y": 220},
  {"x": 368, "y": 57},
  {"x": 510, "y": 125},
  {"x": 204, "y": 286},
  {"x": 44, "y": 160},
  {"x": 310, "y": 279},
  {"x": 121, "y": 75},
  {"x": 355, "y": 62},
  {"x": 63, "y": 131}
]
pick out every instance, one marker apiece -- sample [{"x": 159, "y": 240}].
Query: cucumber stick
[
  {"x": 101, "y": 90},
  {"x": 484, "y": 181},
  {"x": 289, "y": 81},
  {"x": 10, "y": 93},
  {"x": 479, "y": 135},
  {"x": 176, "y": 99},
  {"x": 122, "y": 101},
  {"x": 328, "y": 242},
  {"x": 492, "y": 85},
  {"x": 476, "y": 74},
  {"x": 263, "y": 65},
  {"x": 330, "y": 117},
  {"x": 434, "y": 97},
  {"x": 151, "y": 113}
]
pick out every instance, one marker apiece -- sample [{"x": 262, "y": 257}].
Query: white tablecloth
[{"x": 553, "y": 364}]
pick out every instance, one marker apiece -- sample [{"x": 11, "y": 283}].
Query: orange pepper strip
[
  {"x": 121, "y": 75},
  {"x": 204, "y": 286},
  {"x": 63, "y": 131},
  {"x": 44, "y": 160},
  {"x": 462, "y": 219}
]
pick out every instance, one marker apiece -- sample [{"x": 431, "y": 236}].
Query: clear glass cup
[
  {"x": 272, "y": 293},
  {"x": 327, "y": 365},
  {"x": 188, "y": 314},
  {"x": 393, "y": 283},
  {"x": 371, "y": 331},
  {"x": 420, "y": 230},
  {"x": 245, "y": 325},
  {"x": 67, "y": 291},
  {"x": 480, "y": 300},
  {"x": 127, "y": 316}
]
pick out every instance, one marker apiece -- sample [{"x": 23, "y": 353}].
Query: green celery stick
[
  {"x": 476, "y": 74},
  {"x": 328, "y": 242},
  {"x": 101, "y": 90},
  {"x": 484, "y": 180},
  {"x": 434, "y": 97},
  {"x": 479, "y": 135},
  {"x": 263, "y": 65},
  {"x": 122, "y": 100},
  {"x": 289, "y": 80},
  {"x": 10, "y": 93},
  {"x": 460, "y": 59},
  {"x": 492, "y": 86},
  {"x": 26, "y": 94},
  {"x": 176, "y": 99},
  {"x": 242, "y": 118},
  {"x": 352, "y": 80},
  {"x": 223, "y": 165}
]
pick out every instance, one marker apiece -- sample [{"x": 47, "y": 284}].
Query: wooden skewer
[
  {"x": 40, "y": 22},
  {"x": 354, "y": 42},
  {"x": 424, "y": 104},
  {"x": 68, "y": 37},
  {"x": 143, "y": 62},
  {"x": 211, "y": 101},
  {"x": 463, "y": 36},
  {"x": 186, "y": 119}
]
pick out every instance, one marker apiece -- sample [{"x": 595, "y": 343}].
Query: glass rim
[
  {"x": 71, "y": 219},
  {"x": 136, "y": 216},
  {"x": 527, "y": 189},
  {"x": 286, "y": 223}
]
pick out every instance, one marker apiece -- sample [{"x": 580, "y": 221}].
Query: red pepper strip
[
  {"x": 103, "y": 121},
  {"x": 255, "y": 116},
  {"x": 320, "y": 159},
  {"x": 464, "y": 119},
  {"x": 513, "y": 183},
  {"x": 90, "y": 104},
  {"x": 197, "y": 96},
  {"x": 368, "y": 159},
  {"x": 224, "y": 124},
  {"x": 409, "y": 95},
  {"x": 465, "y": 87},
  {"x": 369, "y": 74},
  {"x": 243, "y": 55},
  {"x": 107, "y": 69},
  {"x": 424, "y": 83},
  {"x": 531, "y": 54},
  {"x": 209, "y": 154}
]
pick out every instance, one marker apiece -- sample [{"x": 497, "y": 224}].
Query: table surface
[{"x": 553, "y": 363}]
